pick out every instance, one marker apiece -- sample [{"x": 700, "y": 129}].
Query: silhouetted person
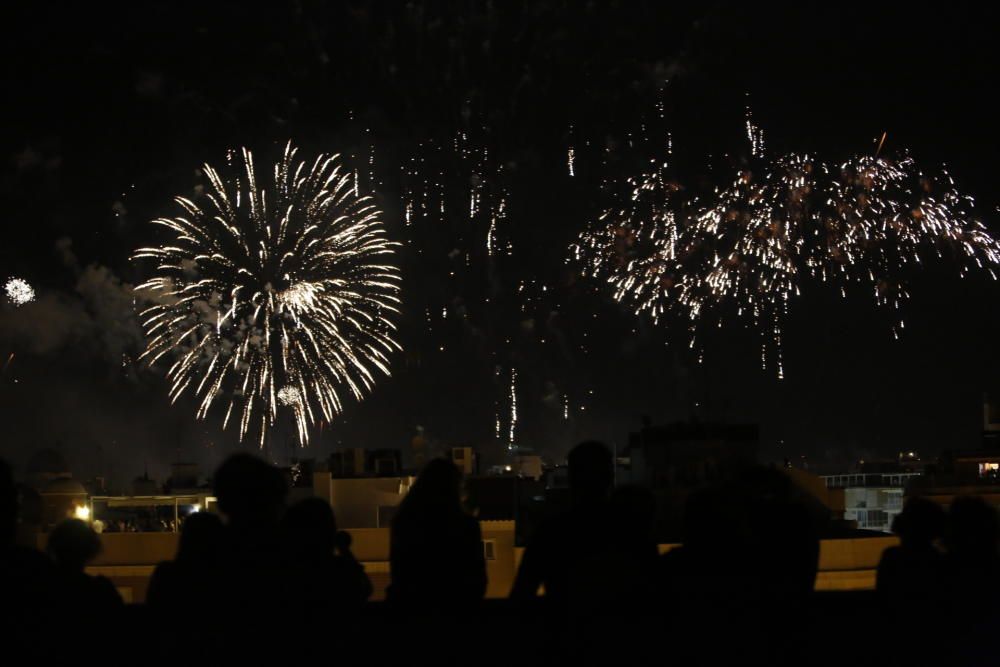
[
  {"x": 711, "y": 568},
  {"x": 324, "y": 573},
  {"x": 561, "y": 549},
  {"x": 913, "y": 571},
  {"x": 72, "y": 544},
  {"x": 251, "y": 494},
  {"x": 436, "y": 552},
  {"x": 192, "y": 576},
  {"x": 972, "y": 580},
  {"x": 784, "y": 525},
  {"x": 27, "y": 577},
  {"x": 748, "y": 563},
  {"x": 973, "y": 561},
  {"x": 617, "y": 577}
]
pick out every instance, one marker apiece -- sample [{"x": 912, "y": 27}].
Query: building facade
[{"x": 871, "y": 499}]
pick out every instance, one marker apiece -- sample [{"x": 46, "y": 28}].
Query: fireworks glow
[
  {"x": 278, "y": 293},
  {"x": 19, "y": 292},
  {"x": 750, "y": 248}
]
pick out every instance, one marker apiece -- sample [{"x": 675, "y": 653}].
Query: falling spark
[
  {"x": 273, "y": 293},
  {"x": 881, "y": 142},
  {"x": 755, "y": 135},
  {"x": 513, "y": 408},
  {"x": 570, "y": 158}
]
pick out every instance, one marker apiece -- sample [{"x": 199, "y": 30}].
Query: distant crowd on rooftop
[{"x": 748, "y": 545}]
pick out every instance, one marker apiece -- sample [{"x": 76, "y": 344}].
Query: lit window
[{"x": 989, "y": 469}]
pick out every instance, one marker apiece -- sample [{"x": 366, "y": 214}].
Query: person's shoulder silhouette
[{"x": 436, "y": 554}]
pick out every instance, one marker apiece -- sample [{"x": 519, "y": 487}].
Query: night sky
[{"x": 111, "y": 109}]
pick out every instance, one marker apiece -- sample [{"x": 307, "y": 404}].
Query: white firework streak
[
  {"x": 274, "y": 295},
  {"x": 513, "y": 409}
]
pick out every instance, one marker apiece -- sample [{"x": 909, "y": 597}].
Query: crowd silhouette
[{"x": 591, "y": 587}]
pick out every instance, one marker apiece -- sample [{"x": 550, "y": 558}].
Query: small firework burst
[{"x": 19, "y": 292}]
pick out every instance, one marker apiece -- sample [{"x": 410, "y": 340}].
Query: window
[
  {"x": 989, "y": 469},
  {"x": 873, "y": 519},
  {"x": 490, "y": 549}
]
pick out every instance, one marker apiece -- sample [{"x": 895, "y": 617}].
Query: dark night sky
[{"x": 112, "y": 108}]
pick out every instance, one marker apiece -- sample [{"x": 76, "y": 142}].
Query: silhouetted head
[
  {"x": 310, "y": 527},
  {"x": 250, "y": 490},
  {"x": 201, "y": 538},
  {"x": 8, "y": 505},
  {"x": 920, "y": 523},
  {"x": 72, "y": 544},
  {"x": 438, "y": 488},
  {"x": 973, "y": 529},
  {"x": 591, "y": 471}
]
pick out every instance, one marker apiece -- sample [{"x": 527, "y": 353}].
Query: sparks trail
[{"x": 279, "y": 293}]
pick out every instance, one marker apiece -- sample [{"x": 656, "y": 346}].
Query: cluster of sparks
[
  {"x": 750, "y": 248},
  {"x": 19, "y": 292},
  {"x": 273, "y": 294}
]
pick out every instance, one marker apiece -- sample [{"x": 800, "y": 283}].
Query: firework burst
[
  {"x": 273, "y": 294},
  {"x": 19, "y": 292},
  {"x": 751, "y": 247}
]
